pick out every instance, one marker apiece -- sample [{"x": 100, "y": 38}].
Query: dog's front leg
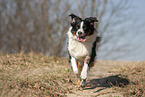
[
  {"x": 75, "y": 69},
  {"x": 85, "y": 69}
]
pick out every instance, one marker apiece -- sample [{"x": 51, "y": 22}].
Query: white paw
[
  {"x": 81, "y": 83},
  {"x": 83, "y": 75},
  {"x": 76, "y": 71}
]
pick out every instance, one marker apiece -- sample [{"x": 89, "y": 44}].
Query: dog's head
[{"x": 82, "y": 28}]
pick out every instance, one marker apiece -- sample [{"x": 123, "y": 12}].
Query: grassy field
[
  {"x": 135, "y": 73},
  {"x": 35, "y": 75}
]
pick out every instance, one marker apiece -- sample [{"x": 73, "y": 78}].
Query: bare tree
[
  {"x": 41, "y": 25},
  {"x": 20, "y": 28}
]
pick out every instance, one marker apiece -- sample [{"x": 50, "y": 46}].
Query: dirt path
[{"x": 101, "y": 81}]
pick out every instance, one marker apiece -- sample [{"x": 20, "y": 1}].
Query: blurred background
[{"x": 40, "y": 26}]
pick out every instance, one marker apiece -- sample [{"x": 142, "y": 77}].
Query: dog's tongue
[{"x": 82, "y": 39}]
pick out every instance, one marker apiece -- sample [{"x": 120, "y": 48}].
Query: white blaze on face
[
  {"x": 81, "y": 29},
  {"x": 80, "y": 33}
]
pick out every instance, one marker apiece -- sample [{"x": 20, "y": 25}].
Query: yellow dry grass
[{"x": 34, "y": 75}]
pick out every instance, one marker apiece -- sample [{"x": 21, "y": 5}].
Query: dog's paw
[
  {"x": 81, "y": 83},
  {"x": 78, "y": 83}
]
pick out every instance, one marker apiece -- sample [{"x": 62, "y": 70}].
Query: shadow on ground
[{"x": 107, "y": 82}]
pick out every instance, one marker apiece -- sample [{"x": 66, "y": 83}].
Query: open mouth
[{"x": 81, "y": 38}]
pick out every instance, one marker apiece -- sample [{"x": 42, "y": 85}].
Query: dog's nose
[{"x": 79, "y": 32}]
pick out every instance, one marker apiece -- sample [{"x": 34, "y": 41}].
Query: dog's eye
[
  {"x": 84, "y": 27},
  {"x": 77, "y": 27}
]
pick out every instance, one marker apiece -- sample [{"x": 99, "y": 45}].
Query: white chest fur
[{"x": 80, "y": 50}]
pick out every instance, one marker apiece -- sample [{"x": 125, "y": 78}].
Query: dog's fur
[{"x": 82, "y": 42}]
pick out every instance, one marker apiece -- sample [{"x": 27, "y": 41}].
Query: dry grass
[
  {"x": 34, "y": 75},
  {"x": 37, "y": 75},
  {"x": 135, "y": 73}
]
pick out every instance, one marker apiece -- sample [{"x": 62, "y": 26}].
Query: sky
[
  {"x": 139, "y": 6},
  {"x": 137, "y": 39},
  {"x": 139, "y": 10}
]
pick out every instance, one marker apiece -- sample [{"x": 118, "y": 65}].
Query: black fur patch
[
  {"x": 93, "y": 55},
  {"x": 88, "y": 28},
  {"x": 75, "y": 27},
  {"x": 69, "y": 59},
  {"x": 89, "y": 25},
  {"x": 75, "y": 23}
]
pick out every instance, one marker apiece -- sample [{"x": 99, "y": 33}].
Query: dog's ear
[
  {"x": 91, "y": 20},
  {"x": 74, "y": 18}
]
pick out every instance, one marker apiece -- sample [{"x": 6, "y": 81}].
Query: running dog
[{"x": 82, "y": 42}]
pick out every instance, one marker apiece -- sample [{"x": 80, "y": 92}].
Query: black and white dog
[{"x": 82, "y": 42}]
